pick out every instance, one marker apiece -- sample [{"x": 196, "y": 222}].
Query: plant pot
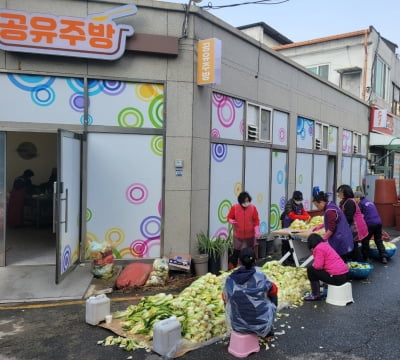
[
  {"x": 214, "y": 264},
  {"x": 200, "y": 263},
  {"x": 262, "y": 248},
  {"x": 224, "y": 261}
]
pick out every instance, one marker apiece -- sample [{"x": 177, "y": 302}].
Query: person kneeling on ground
[
  {"x": 251, "y": 298},
  {"x": 327, "y": 266}
]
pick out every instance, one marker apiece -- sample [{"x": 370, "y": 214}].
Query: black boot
[
  {"x": 382, "y": 251},
  {"x": 315, "y": 295}
]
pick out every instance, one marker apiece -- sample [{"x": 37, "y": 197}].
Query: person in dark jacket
[
  {"x": 374, "y": 223},
  {"x": 294, "y": 209},
  {"x": 22, "y": 188},
  {"x": 251, "y": 298},
  {"x": 337, "y": 230},
  {"x": 354, "y": 217}
]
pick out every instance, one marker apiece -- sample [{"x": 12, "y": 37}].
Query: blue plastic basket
[
  {"x": 374, "y": 253},
  {"x": 356, "y": 273}
]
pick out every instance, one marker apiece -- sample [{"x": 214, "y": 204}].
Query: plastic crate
[{"x": 359, "y": 273}]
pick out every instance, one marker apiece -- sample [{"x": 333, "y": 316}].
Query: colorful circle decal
[
  {"x": 238, "y": 103},
  {"x": 282, "y": 202},
  {"x": 31, "y": 82},
  {"x": 241, "y": 127},
  {"x": 263, "y": 227},
  {"x": 91, "y": 237},
  {"x": 226, "y": 112},
  {"x": 137, "y": 193},
  {"x": 89, "y": 121},
  {"x": 150, "y": 227},
  {"x": 156, "y": 112},
  {"x": 77, "y": 102},
  {"x": 147, "y": 92},
  {"x": 215, "y": 133},
  {"x": 222, "y": 232},
  {"x": 237, "y": 188},
  {"x": 160, "y": 207},
  {"x": 95, "y": 87},
  {"x": 282, "y": 135},
  {"x": 66, "y": 258},
  {"x": 300, "y": 180},
  {"x": 139, "y": 248},
  {"x": 43, "y": 96},
  {"x": 112, "y": 87},
  {"x": 156, "y": 145},
  {"x": 115, "y": 236},
  {"x": 223, "y": 210},
  {"x": 219, "y": 152},
  {"x": 280, "y": 177},
  {"x": 76, "y": 85},
  {"x": 274, "y": 217},
  {"x": 130, "y": 117},
  {"x": 89, "y": 214}
]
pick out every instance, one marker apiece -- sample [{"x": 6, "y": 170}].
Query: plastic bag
[
  {"x": 102, "y": 258},
  {"x": 159, "y": 274}
]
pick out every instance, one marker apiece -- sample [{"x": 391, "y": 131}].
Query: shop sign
[
  {"x": 96, "y": 36},
  {"x": 209, "y": 62},
  {"x": 381, "y": 122}
]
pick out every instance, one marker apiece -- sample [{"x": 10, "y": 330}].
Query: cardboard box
[{"x": 179, "y": 261}]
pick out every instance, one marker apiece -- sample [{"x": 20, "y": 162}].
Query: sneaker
[
  {"x": 384, "y": 260},
  {"x": 312, "y": 297}
]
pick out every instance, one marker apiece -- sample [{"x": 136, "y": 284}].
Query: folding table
[{"x": 298, "y": 247}]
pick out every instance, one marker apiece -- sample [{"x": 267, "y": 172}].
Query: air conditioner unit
[
  {"x": 252, "y": 132},
  {"x": 318, "y": 144},
  {"x": 355, "y": 149}
]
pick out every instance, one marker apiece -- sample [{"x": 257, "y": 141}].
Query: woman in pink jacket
[
  {"x": 244, "y": 218},
  {"x": 327, "y": 266}
]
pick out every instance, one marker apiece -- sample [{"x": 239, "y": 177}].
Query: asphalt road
[{"x": 365, "y": 330}]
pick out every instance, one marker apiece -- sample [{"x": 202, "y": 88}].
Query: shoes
[
  {"x": 384, "y": 260},
  {"x": 312, "y": 297}
]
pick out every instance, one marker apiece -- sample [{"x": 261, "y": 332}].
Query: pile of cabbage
[{"x": 199, "y": 308}]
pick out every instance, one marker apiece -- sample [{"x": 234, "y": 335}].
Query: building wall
[{"x": 249, "y": 71}]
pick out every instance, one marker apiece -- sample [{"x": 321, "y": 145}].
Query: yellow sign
[
  {"x": 96, "y": 36},
  {"x": 209, "y": 62}
]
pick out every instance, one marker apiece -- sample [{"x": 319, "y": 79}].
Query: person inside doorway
[{"x": 22, "y": 188}]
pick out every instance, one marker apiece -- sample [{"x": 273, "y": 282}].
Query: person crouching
[{"x": 327, "y": 267}]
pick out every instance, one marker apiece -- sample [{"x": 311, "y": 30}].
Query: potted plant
[{"x": 214, "y": 247}]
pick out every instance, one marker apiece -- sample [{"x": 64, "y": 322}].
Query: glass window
[
  {"x": 381, "y": 77},
  {"x": 265, "y": 126},
  {"x": 321, "y": 70},
  {"x": 396, "y": 100}
]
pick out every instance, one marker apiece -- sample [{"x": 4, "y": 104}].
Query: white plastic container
[
  {"x": 97, "y": 307},
  {"x": 166, "y": 334}
]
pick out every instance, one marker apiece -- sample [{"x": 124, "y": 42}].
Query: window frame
[{"x": 254, "y": 123}]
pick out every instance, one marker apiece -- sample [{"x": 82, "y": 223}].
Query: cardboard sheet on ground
[{"x": 182, "y": 348}]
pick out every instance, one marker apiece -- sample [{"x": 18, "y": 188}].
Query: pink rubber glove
[
  {"x": 318, "y": 227},
  {"x": 325, "y": 237},
  {"x": 257, "y": 232},
  {"x": 232, "y": 221}
]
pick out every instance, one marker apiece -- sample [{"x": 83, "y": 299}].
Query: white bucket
[
  {"x": 166, "y": 335},
  {"x": 97, "y": 308}
]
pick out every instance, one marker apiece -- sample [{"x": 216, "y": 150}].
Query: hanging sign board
[
  {"x": 381, "y": 122},
  {"x": 96, "y": 36},
  {"x": 209, "y": 62}
]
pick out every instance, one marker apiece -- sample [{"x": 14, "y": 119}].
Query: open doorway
[{"x": 29, "y": 237}]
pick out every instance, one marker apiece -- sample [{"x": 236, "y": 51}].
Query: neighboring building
[
  {"x": 149, "y": 154},
  {"x": 366, "y": 65}
]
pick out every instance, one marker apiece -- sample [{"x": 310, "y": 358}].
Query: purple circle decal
[
  {"x": 150, "y": 227},
  {"x": 219, "y": 152},
  {"x": 137, "y": 193}
]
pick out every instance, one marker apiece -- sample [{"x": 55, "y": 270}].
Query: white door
[{"x": 67, "y": 197}]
